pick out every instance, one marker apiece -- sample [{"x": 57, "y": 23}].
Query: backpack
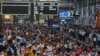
[{"x": 93, "y": 54}]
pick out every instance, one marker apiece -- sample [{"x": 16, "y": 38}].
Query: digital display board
[
  {"x": 15, "y": 9},
  {"x": 48, "y": 10},
  {"x": 63, "y": 13}
]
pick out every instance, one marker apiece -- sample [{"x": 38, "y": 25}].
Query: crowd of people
[
  {"x": 33, "y": 40},
  {"x": 86, "y": 34}
]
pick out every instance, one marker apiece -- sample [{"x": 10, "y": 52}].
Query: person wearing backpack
[{"x": 93, "y": 52}]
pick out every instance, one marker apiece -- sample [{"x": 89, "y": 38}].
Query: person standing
[
  {"x": 98, "y": 39},
  {"x": 98, "y": 53}
]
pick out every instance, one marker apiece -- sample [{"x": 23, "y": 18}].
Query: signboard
[
  {"x": 49, "y": 10},
  {"x": 63, "y": 14},
  {"x": 15, "y": 8}
]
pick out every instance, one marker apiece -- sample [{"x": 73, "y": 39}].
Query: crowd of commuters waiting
[
  {"x": 32, "y": 40},
  {"x": 86, "y": 34}
]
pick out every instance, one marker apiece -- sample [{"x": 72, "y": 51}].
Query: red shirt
[{"x": 78, "y": 50}]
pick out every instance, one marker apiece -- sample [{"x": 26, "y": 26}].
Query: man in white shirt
[{"x": 93, "y": 52}]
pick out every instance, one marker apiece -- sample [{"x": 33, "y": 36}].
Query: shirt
[
  {"x": 22, "y": 40},
  {"x": 92, "y": 54},
  {"x": 98, "y": 38}
]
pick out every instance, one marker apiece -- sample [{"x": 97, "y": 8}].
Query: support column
[{"x": 31, "y": 12}]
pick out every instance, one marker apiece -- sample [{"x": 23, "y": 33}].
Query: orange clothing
[{"x": 29, "y": 51}]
